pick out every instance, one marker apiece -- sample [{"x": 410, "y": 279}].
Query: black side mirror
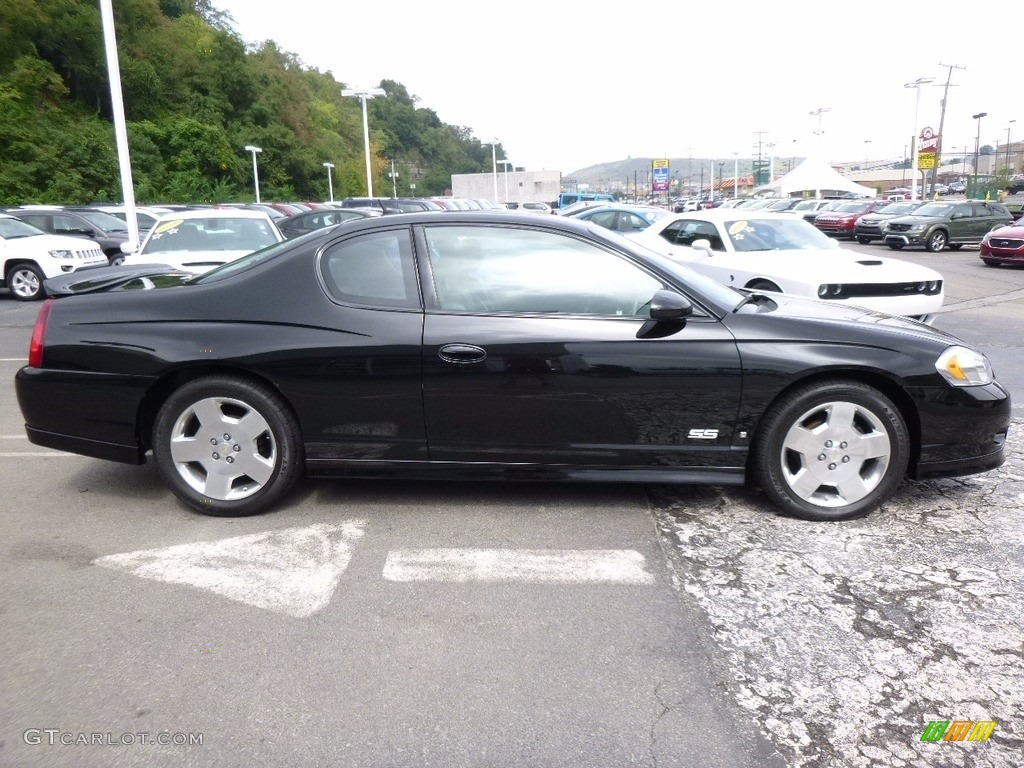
[{"x": 669, "y": 305}]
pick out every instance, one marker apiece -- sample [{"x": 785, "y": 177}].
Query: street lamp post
[
  {"x": 494, "y": 166},
  {"x": 330, "y": 182},
  {"x": 505, "y": 163},
  {"x": 1008, "y": 169},
  {"x": 916, "y": 85},
  {"x": 394, "y": 180},
  {"x": 255, "y": 170},
  {"x": 866, "y": 142},
  {"x": 819, "y": 112},
  {"x": 977, "y": 146},
  {"x": 363, "y": 94},
  {"x": 735, "y": 175}
]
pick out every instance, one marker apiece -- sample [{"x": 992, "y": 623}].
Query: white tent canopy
[{"x": 815, "y": 176}]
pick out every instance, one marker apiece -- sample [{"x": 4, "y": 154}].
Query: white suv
[{"x": 28, "y": 256}]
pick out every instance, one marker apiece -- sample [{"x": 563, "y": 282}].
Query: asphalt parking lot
[{"x": 501, "y": 625}]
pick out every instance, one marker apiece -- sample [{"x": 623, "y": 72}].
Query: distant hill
[{"x": 686, "y": 169}]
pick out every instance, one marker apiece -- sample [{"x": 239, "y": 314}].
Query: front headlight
[
  {"x": 62, "y": 254},
  {"x": 963, "y": 367}
]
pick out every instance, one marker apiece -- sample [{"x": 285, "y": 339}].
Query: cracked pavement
[{"x": 844, "y": 639}]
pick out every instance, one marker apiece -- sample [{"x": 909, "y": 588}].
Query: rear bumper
[{"x": 92, "y": 414}]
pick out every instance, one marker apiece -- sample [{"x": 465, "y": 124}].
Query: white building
[{"x": 513, "y": 186}]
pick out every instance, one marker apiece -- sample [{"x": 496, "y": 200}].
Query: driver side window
[{"x": 489, "y": 269}]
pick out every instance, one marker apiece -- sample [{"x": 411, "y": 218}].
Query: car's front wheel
[
  {"x": 936, "y": 241},
  {"x": 955, "y": 246},
  {"x": 227, "y": 445},
  {"x": 895, "y": 246},
  {"x": 832, "y": 450},
  {"x": 863, "y": 240},
  {"x": 25, "y": 282}
]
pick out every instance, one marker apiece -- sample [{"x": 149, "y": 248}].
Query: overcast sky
[{"x": 564, "y": 85}]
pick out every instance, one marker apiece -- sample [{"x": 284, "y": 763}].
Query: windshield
[
  {"x": 12, "y": 229},
  {"x": 257, "y": 257},
  {"x": 899, "y": 208},
  {"x": 934, "y": 209},
  {"x": 852, "y": 207},
  {"x": 104, "y": 221},
  {"x": 221, "y": 233},
  {"x": 781, "y": 234}
]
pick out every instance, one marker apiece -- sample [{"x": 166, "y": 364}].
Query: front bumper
[{"x": 963, "y": 431}]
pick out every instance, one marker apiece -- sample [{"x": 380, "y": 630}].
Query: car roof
[{"x": 215, "y": 213}]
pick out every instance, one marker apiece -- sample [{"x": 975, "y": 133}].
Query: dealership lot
[{"x": 546, "y": 625}]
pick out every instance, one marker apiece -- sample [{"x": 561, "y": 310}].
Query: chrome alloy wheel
[
  {"x": 835, "y": 454},
  {"x": 24, "y": 282},
  {"x": 223, "y": 448}
]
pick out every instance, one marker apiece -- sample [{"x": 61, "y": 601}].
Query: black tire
[
  {"x": 217, "y": 472},
  {"x": 25, "y": 282},
  {"x": 992, "y": 263},
  {"x": 115, "y": 259},
  {"x": 896, "y": 246},
  {"x": 936, "y": 241},
  {"x": 955, "y": 246},
  {"x": 763, "y": 285},
  {"x": 863, "y": 240},
  {"x": 834, "y": 450}
]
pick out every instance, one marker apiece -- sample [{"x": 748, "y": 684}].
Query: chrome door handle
[{"x": 462, "y": 354}]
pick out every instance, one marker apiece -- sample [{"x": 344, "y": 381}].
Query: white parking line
[
  {"x": 12, "y": 359},
  {"x": 293, "y": 571},
  {"x": 58, "y": 454},
  {"x": 536, "y": 566}
]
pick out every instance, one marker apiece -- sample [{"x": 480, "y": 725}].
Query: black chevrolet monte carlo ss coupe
[{"x": 491, "y": 345}]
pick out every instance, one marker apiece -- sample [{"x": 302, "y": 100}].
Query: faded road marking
[
  {"x": 536, "y": 566},
  {"x": 293, "y": 571}
]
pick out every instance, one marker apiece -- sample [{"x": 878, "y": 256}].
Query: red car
[
  {"x": 841, "y": 220},
  {"x": 1003, "y": 245}
]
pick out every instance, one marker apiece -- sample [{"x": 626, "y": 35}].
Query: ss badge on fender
[{"x": 703, "y": 434}]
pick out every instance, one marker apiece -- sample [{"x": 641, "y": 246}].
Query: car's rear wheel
[
  {"x": 227, "y": 445},
  {"x": 25, "y": 282},
  {"x": 936, "y": 241},
  {"x": 831, "y": 451}
]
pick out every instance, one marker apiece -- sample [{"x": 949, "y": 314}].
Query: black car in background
[
  {"x": 108, "y": 231},
  {"x": 496, "y": 345},
  {"x": 390, "y": 205},
  {"x": 303, "y": 223}
]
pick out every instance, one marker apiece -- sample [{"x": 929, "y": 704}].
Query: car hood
[
  {"x": 1012, "y": 231},
  {"x": 828, "y": 319},
  {"x": 35, "y": 243}
]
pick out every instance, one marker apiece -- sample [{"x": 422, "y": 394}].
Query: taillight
[{"x": 35, "y": 347}]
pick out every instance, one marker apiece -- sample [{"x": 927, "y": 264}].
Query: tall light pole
[
  {"x": 1008, "y": 170},
  {"x": 506, "y": 163},
  {"x": 866, "y": 142},
  {"x": 494, "y": 166},
  {"x": 255, "y": 170},
  {"x": 735, "y": 175},
  {"x": 394, "y": 180},
  {"x": 819, "y": 112},
  {"x": 916, "y": 85},
  {"x": 330, "y": 182},
  {"x": 364, "y": 94},
  {"x": 977, "y": 147}
]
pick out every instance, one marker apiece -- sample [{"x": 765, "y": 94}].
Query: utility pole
[
  {"x": 757, "y": 173},
  {"x": 942, "y": 120}
]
